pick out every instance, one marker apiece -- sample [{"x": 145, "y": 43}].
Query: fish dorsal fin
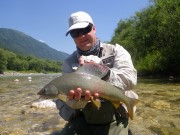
[{"x": 93, "y": 69}]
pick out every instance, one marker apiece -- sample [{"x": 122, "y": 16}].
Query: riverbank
[{"x": 15, "y": 73}]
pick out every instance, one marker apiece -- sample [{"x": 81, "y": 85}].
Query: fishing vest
[{"x": 106, "y": 113}]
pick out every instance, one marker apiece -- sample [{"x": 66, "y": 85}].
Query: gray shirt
[{"x": 122, "y": 72}]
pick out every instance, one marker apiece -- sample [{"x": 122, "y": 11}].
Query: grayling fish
[{"x": 88, "y": 77}]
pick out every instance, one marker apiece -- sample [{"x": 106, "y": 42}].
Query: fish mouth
[{"x": 40, "y": 93}]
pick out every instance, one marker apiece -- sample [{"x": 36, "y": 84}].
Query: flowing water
[
  {"x": 16, "y": 118},
  {"x": 157, "y": 113}
]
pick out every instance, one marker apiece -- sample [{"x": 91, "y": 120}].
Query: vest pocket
[{"x": 103, "y": 115}]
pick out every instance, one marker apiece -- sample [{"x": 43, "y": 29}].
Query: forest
[
  {"x": 16, "y": 62},
  {"x": 152, "y": 36}
]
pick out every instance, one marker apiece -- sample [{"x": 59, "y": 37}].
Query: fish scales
[{"x": 88, "y": 80}]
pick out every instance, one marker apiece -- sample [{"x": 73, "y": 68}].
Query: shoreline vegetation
[{"x": 15, "y": 73}]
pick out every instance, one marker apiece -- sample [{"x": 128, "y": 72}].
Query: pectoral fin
[
  {"x": 73, "y": 103},
  {"x": 95, "y": 102},
  {"x": 116, "y": 104},
  {"x": 79, "y": 104},
  {"x": 62, "y": 97}
]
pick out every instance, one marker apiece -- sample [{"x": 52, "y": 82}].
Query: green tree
[
  {"x": 3, "y": 61},
  {"x": 154, "y": 30}
]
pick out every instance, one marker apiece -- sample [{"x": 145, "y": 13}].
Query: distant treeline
[
  {"x": 12, "y": 61},
  {"x": 152, "y": 37}
]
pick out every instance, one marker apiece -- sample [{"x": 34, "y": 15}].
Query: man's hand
[
  {"x": 90, "y": 58},
  {"x": 81, "y": 60},
  {"x": 77, "y": 94}
]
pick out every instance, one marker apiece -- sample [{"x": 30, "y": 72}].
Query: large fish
[{"x": 88, "y": 77}]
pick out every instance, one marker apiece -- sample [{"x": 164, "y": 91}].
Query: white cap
[{"x": 79, "y": 20}]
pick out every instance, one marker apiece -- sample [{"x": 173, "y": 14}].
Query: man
[{"x": 107, "y": 120}]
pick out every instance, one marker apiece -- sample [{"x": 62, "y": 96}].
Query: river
[
  {"x": 16, "y": 118},
  {"x": 157, "y": 113}
]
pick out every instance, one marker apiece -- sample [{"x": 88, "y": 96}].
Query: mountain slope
[{"x": 21, "y": 43}]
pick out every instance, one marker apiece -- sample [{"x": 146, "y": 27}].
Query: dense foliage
[
  {"x": 152, "y": 37},
  {"x": 12, "y": 61}
]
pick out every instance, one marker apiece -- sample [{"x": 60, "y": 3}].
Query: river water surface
[
  {"x": 16, "y": 118},
  {"x": 157, "y": 113}
]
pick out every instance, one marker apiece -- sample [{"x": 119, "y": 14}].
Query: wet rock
[
  {"x": 160, "y": 104},
  {"x": 16, "y": 80},
  {"x": 23, "y": 111},
  {"x": 44, "y": 104},
  {"x": 14, "y": 132},
  {"x": 29, "y": 78}
]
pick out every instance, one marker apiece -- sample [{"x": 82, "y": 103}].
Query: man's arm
[{"x": 123, "y": 74}]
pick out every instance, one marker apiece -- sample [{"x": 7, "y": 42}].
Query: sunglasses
[{"x": 83, "y": 31}]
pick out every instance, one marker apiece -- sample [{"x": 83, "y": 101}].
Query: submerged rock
[
  {"x": 16, "y": 80},
  {"x": 44, "y": 104},
  {"x": 159, "y": 104}
]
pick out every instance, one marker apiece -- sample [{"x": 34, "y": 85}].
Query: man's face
[{"x": 86, "y": 41}]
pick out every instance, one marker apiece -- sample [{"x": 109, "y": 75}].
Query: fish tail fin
[{"x": 131, "y": 107}]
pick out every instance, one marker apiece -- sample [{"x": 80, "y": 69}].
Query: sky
[{"x": 47, "y": 20}]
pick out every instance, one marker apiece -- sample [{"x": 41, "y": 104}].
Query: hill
[{"x": 21, "y": 43}]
